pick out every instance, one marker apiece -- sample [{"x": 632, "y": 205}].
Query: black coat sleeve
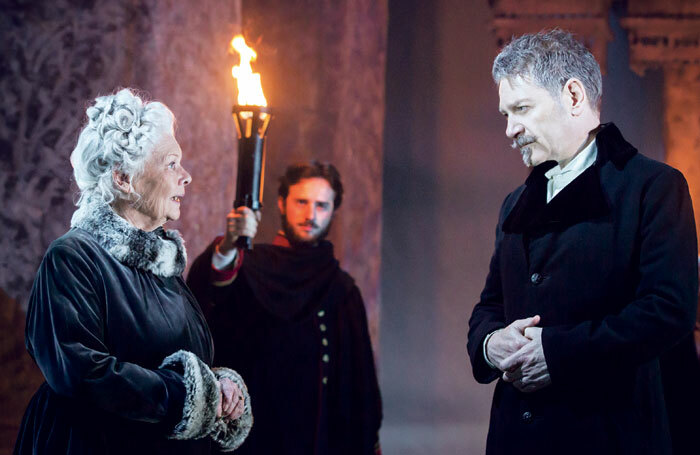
[
  {"x": 199, "y": 280},
  {"x": 65, "y": 335},
  {"x": 488, "y": 315},
  {"x": 663, "y": 309}
]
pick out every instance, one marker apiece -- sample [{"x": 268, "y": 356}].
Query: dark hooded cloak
[{"x": 294, "y": 325}]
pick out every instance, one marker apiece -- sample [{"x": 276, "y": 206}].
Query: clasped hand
[
  {"x": 231, "y": 403},
  {"x": 517, "y": 351}
]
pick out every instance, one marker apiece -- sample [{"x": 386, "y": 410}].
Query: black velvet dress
[
  {"x": 99, "y": 328},
  {"x": 294, "y": 325}
]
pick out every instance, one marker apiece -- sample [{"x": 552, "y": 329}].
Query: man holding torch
[{"x": 293, "y": 323}]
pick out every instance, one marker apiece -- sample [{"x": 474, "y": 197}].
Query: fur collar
[
  {"x": 161, "y": 252},
  {"x": 582, "y": 199}
]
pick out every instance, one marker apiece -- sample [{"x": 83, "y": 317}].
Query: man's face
[
  {"x": 307, "y": 211},
  {"x": 537, "y": 122}
]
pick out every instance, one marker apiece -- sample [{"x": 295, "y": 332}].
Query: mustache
[
  {"x": 310, "y": 224},
  {"x": 522, "y": 141}
]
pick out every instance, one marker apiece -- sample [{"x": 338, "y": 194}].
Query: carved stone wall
[
  {"x": 588, "y": 20},
  {"x": 663, "y": 33}
]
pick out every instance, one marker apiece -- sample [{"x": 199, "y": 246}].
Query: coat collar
[
  {"x": 161, "y": 252},
  {"x": 580, "y": 200}
]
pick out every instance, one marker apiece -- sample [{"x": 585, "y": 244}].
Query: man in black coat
[
  {"x": 293, "y": 323},
  {"x": 594, "y": 273}
]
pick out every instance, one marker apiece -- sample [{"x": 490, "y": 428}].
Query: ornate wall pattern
[
  {"x": 55, "y": 57},
  {"x": 60, "y": 55}
]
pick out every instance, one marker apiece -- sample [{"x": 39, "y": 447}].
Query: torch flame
[{"x": 250, "y": 92}]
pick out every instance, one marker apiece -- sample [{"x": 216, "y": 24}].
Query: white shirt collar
[
  {"x": 558, "y": 178},
  {"x": 582, "y": 161}
]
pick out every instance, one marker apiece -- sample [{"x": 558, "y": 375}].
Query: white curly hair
[{"x": 120, "y": 134}]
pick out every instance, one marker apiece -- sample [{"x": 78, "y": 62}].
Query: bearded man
[
  {"x": 294, "y": 324},
  {"x": 594, "y": 273}
]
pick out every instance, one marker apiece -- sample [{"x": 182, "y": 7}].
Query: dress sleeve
[
  {"x": 663, "y": 309},
  {"x": 65, "y": 335},
  {"x": 207, "y": 283}
]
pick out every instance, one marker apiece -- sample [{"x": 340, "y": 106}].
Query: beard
[
  {"x": 297, "y": 241},
  {"x": 522, "y": 142}
]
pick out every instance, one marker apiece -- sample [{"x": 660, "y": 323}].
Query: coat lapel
[{"x": 582, "y": 199}]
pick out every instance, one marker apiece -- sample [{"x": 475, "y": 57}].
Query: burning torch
[{"x": 251, "y": 117}]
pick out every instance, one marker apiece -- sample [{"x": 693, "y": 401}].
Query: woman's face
[{"x": 162, "y": 183}]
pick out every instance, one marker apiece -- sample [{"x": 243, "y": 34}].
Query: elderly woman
[{"x": 114, "y": 329}]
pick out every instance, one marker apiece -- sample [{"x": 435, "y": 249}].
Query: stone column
[{"x": 188, "y": 66}]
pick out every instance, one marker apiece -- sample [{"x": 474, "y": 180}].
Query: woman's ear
[{"x": 122, "y": 181}]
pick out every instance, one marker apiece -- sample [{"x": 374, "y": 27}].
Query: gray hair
[
  {"x": 550, "y": 58},
  {"x": 120, "y": 134}
]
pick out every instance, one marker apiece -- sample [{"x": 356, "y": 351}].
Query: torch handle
[
  {"x": 244, "y": 243},
  {"x": 251, "y": 130}
]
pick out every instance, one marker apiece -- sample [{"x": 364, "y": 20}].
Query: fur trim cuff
[
  {"x": 230, "y": 434},
  {"x": 201, "y": 399}
]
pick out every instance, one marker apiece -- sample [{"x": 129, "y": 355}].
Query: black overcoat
[{"x": 610, "y": 265}]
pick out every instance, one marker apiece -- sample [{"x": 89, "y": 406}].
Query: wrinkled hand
[
  {"x": 239, "y": 222},
  {"x": 527, "y": 369},
  {"x": 231, "y": 403},
  {"x": 506, "y": 342}
]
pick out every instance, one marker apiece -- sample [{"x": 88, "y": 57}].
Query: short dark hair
[{"x": 300, "y": 171}]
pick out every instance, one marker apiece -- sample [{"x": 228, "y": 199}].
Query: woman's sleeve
[{"x": 65, "y": 335}]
